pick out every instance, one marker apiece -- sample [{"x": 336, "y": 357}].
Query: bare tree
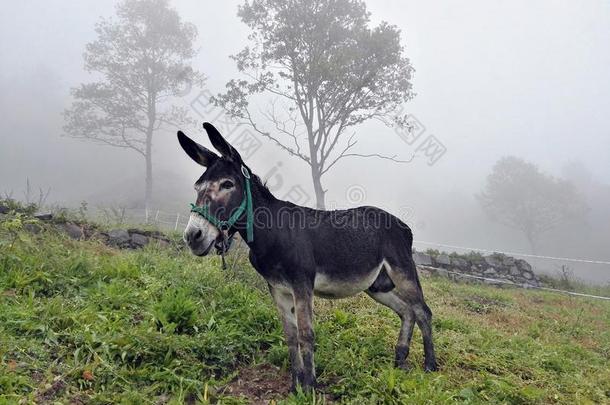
[
  {"x": 325, "y": 70},
  {"x": 518, "y": 195},
  {"x": 143, "y": 58}
]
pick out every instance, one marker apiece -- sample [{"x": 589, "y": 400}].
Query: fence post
[
  {"x": 157, "y": 218},
  {"x": 146, "y": 215},
  {"x": 177, "y": 219}
]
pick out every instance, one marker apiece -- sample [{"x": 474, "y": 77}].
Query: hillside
[{"x": 81, "y": 322}]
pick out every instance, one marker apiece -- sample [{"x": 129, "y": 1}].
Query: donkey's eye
[{"x": 226, "y": 184}]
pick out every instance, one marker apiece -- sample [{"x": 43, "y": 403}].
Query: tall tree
[
  {"x": 325, "y": 71},
  {"x": 143, "y": 61},
  {"x": 518, "y": 195}
]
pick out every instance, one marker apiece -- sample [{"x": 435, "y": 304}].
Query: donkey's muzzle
[{"x": 195, "y": 240}]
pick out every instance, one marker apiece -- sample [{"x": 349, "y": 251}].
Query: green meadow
[{"x": 82, "y": 323}]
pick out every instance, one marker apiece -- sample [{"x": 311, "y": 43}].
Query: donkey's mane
[{"x": 261, "y": 186}]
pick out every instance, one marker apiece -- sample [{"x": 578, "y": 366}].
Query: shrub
[{"x": 176, "y": 311}]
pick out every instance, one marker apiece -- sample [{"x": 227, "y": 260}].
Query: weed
[{"x": 176, "y": 311}]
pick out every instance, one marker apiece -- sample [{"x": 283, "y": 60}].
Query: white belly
[{"x": 327, "y": 287}]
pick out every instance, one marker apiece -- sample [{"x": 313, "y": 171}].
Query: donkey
[{"x": 302, "y": 252}]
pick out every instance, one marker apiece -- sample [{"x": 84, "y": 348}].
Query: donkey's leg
[
  {"x": 303, "y": 298},
  {"x": 285, "y": 304},
  {"x": 404, "y": 311},
  {"x": 407, "y": 287},
  {"x": 423, "y": 316}
]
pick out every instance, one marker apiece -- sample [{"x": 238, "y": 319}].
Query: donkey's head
[{"x": 220, "y": 191}]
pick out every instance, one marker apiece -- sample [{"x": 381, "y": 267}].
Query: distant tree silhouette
[
  {"x": 143, "y": 60},
  {"x": 326, "y": 71},
  {"x": 518, "y": 195}
]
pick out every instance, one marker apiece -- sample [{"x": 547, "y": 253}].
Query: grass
[{"x": 83, "y": 323}]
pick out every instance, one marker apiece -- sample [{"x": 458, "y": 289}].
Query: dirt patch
[
  {"x": 260, "y": 384},
  {"x": 47, "y": 395},
  {"x": 79, "y": 399}
]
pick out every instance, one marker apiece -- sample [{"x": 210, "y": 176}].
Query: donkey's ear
[
  {"x": 198, "y": 153},
  {"x": 220, "y": 143}
]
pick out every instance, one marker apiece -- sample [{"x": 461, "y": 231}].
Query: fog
[{"x": 491, "y": 79}]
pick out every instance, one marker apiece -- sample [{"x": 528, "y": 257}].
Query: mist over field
[{"x": 490, "y": 80}]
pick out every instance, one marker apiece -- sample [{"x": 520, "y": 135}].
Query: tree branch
[
  {"x": 281, "y": 126},
  {"x": 267, "y": 135},
  {"x": 350, "y": 144}
]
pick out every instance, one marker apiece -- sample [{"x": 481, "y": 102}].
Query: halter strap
[{"x": 245, "y": 206}]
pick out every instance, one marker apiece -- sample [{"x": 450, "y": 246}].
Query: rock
[
  {"x": 32, "y": 228},
  {"x": 442, "y": 259},
  {"x": 523, "y": 265},
  {"x": 4, "y": 209},
  {"x": 528, "y": 275},
  {"x": 118, "y": 237},
  {"x": 162, "y": 243},
  {"x": 422, "y": 259},
  {"x": 98, "y": 236},
  {"x": 514, "y": 271},
  {"x": 139, "y": 240},
  {"x": 72, "y": 230},
  {"x": 459, "y": 263},
  {"x": 493, "y": 261},
  {"x": 44, "y": 216},
  {"x": 508, "y": 261},
  {"x": 490, "y": 272}
]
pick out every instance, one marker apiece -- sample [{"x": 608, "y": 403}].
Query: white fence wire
[
  {"x": 161, "y": 219},
  {"x": 563, "y": 259}
]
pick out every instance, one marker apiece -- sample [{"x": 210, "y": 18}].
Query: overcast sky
[{"x": 492, "y": 78}]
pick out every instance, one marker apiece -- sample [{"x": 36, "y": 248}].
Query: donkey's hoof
[
  {"x": 402, "y": 365},
  {"x": 302, "y": 384},
  {"x": 296, "y": 388},
  {"x": 428, "y": 368}
]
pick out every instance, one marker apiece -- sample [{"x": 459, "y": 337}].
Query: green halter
[{"x": 245, "y": 206}]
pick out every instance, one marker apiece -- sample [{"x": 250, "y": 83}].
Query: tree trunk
[
  {"x": 149, "y": 174},
  {"x": 316, "y": 170},
  {"x": 150, "y": 129},
  {"x": 532, "y": 241},
  {"x": 316, "y": 175},
  {"x": 317, "y": 187}
]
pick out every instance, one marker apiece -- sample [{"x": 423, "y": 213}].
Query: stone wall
[
  {"x": 120, "y": 238},
  {"x": 496, "y": 266}
]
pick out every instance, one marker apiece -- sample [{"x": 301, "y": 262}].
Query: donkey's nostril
[{"x": 197, "y": 235}]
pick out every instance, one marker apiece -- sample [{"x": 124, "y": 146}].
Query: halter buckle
[{"x": 245, "y": 172}]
